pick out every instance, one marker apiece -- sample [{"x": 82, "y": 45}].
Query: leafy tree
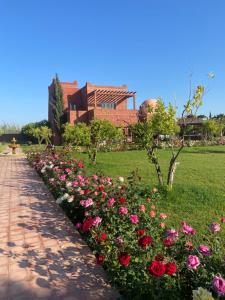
[
  {"x": 56, "y": 102},
  {"x": 102, "y": 132},
  {"x": 42, "y": 133},
  {"x": 212, "y": 128},
  {"x": 162, "y": 125},
  {"x": 27, "y": 130},
  {"x": 221, "y": 121},
  {"x": 78, "y": 135}
]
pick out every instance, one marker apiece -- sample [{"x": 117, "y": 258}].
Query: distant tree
[
  {"x": 212, "y": 128},
  {"x": 221, "y": 121},
  {"x": 9, "y": 128},
  {"x": 56, "y": 102}
]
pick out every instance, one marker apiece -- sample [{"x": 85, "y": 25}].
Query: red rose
[
  {"x": 122, "y": 200},
  {"x": 140, "y": 232},
  {"x": 80, "y": 165},
  {"x": 159, "y": 257},
  {"x": 157, "y": 268},
  {"x": 87, "y": 224},
  {"x": 99, "y": 259},
  {"x": 124, "y": 259},
  {"x": 102, "y": 237},
  {"x": 171, "y": 268},
  {"x": 168, "y": 242},
  {"x": 145, "y": 241},
  {"x": 87, "y": 192},
  {"x": 101, "y": 188}
]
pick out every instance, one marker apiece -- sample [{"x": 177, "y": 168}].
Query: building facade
[{"x": 96, "y": 101}]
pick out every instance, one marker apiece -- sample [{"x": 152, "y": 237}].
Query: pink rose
[
  {"x": 62, "y": 177},
  {"x": 68, "y": 171},
  {"x": 214, "y": 227},
  {"x": 134, "y": 219},
  {"x": 75, "y": 183},
  {"x": 142, "y": 208},
  {"x": 193, "y": 262},
  {"x": 152, "y": 214},
  {"x": 123, "y": 210},
  {"x": 95, "y": 177},
  {"x": 172, "y": 233},
  {"x": 163, "y": 216},
  {"x": 162, "y": 225},
  {"x": 86, "y": 203},
  {"x": 219, "y": 285},
  {"x": 187, "y": 229},
  {"x": 111, "y": 202},
  {"x": 97, "y": 221},
  {"x": 204, "y": 250}
]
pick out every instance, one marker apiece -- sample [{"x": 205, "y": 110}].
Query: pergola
[{"x": 110, "y": 96}]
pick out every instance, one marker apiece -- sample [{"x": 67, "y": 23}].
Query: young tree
[
  {"x": 162, "y": 125},
  {"x": 57, "y": 104},
  {"x": 102, "y": 132}
]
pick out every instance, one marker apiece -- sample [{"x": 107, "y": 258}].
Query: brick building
[{"x": 96, "y": 101}]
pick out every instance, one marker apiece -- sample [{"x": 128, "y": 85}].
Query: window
[
  {"x": 108, "y": 105},
  {"x": 73, "y": 106}
]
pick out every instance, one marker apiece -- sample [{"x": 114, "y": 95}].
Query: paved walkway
[{"x": 41, "y": 255}]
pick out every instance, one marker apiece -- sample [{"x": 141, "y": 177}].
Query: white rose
[
  {"x": 121, "y": 179},
  {"x": 70, "y": 199},
  {"x": 65, "y": 196}
]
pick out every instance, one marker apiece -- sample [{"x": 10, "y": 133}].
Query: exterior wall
[{"x": 122, "y": 117}]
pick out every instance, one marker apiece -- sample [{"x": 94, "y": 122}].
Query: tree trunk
[
  {"x": 173, "y": 166},
  {"x": 152, "y": 156},
  {"x": 94, "y": 157},
  {"x": 171, "y": 173}
]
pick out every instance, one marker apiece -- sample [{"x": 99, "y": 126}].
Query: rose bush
[{"x": 121, "y": 223}]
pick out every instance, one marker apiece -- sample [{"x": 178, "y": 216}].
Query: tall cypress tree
[{"x": 57, "y": 105}]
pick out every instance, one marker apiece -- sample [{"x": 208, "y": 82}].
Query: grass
[
  {"x": 2, "y": 147},
  {"x": 198, "y": 195}
]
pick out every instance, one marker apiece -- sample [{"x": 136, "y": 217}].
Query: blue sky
[{"x": 151, "y": 45}]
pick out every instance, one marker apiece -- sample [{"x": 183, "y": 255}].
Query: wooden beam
[
  {"x": 134, "y": 101},
  {"x": 95, "y": 99}
]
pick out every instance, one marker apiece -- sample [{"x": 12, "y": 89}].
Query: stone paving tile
[{"x": 42, "y": 256}]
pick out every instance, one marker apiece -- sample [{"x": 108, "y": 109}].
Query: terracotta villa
[{"x": 97, "y": 101}]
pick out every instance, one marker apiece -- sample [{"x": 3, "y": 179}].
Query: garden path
[{"x": 42, "y": 256}]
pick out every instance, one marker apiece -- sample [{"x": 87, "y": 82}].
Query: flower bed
[{"x": 130, "y": 238}]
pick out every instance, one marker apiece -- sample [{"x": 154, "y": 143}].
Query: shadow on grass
[{"x": 203, "y": 151}]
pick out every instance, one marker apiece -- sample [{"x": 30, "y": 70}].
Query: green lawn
[
  {"x": 199, "y": 189},
  {"x": 2, "y": 147}
]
